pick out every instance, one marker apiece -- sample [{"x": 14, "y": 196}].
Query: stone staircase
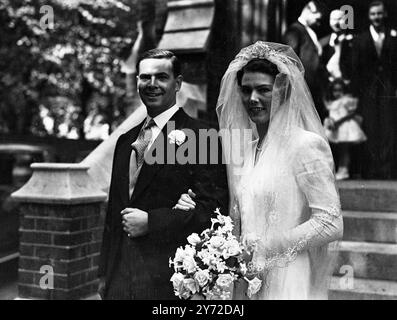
[{"x": 367, "y": 257}]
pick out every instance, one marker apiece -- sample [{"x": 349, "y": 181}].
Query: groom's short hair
[
  {"x": 258, "y": 65},
  {"x": 161, "y": 54}
]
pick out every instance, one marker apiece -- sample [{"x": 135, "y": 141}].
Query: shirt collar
[
  {"x": 162, "y": 119},
  {"x": 301, "y": 21},
  {"x": 375, "y": 34}
]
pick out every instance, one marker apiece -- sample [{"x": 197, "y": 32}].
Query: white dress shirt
[
  {"x": 378, "y": 37},
  {"x": 160, "y": 121}
]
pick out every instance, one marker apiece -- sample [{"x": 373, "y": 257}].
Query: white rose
[
  {"x": 228, "y": 227},
  {"x": 190, "y": 251},
  {"x": 205, "y": 256},
  {"x": 232, "y": 249},
  {"x": 179, "y": 255},
  {"x": 189, "y": 264},
  {"x": 177, "y": 136},
  {"x": 177, "y": 281},
  {"x": 217, "y": 242},
  {"x": 184, "y": 292},
  {"x": 191, "y": 285},
  {"x": 193, "y": 239},
  {"x": 202, "y": 277},
  {"x": 224, "y": 280},
  {"x": 253, "y": 286},
  {"x": 224, "y": 219},
  {"x": 220, "y": 266}
]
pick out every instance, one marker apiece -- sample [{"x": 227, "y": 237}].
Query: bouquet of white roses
[{"x": 210, "y": 264}]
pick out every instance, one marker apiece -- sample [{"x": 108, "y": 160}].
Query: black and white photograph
[{"x": 198, "y": 154}]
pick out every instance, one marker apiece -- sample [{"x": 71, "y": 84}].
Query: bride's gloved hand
[{"x": 186, "y": 201}]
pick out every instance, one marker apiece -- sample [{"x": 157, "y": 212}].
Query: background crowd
[{"x": 353, "y": 79}]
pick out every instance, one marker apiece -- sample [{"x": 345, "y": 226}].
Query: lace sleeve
[{"x": 313, "y": 171}]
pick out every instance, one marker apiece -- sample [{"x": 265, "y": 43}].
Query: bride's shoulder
[
  {"x": 302, "y": 139},
  {"x": 308, "y": 145}
]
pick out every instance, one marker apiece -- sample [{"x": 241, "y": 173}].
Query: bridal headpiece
[{"x": 281, "y": 55}]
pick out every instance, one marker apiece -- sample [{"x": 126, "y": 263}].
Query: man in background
[
  {"x": 303, "y": 39},
  {"x": 374, "y": 83},
  {"x": 337, "y": 48}
]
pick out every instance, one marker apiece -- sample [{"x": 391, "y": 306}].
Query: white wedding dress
[
  {"x": 298, "y": 223},
  {"x": 286, "y": 197}
]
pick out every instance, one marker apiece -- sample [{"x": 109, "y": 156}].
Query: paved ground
[
  {"x": 8, "y": 278},
  {"x": 8, "y": 290}
]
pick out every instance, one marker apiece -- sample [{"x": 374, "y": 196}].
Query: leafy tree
[{"x": 62, "y": 68}]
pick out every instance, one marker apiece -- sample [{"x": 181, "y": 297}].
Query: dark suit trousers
[
  {"x": 128, "y": 283},
  {"x": 119, "y": 286}
]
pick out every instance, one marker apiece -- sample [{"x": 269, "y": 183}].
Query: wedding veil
[
  {"x": 292, "y": 106},
  {"x": 293, "y": 115}
]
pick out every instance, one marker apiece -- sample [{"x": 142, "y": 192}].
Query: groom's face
[
  {"x": 157, "y": 85},
  {"x": 256, "y": 93}
]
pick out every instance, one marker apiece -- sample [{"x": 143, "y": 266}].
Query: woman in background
[{"x": 342, "y": 126}]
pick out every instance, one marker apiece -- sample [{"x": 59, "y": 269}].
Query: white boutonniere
[
  {"x": 177, "y": 137},
  {"x": 393, "y": 33}
]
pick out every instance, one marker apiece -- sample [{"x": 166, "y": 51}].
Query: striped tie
[
  {"x": 138, "y": 154},
  {"x": 142, "y": 142}
]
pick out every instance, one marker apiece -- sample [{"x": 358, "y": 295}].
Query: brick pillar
[{"x": 60, "y": 231}]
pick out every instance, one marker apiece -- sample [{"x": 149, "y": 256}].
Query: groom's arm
[{"x": 210, "y": 186}]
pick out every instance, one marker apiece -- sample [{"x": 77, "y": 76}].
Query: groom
[{"x": 142, "y": 230}]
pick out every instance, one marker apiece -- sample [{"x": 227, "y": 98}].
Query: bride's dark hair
[{"x": 258, "y": 65}]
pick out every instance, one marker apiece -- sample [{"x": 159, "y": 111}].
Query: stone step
[
  {"x": 358, "y": 195},
  {"x": 370, "y": 226},
  {"x": 367, "y": 260},
  {"x": 362, "y": 289}
]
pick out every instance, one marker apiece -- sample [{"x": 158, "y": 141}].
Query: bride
[{"x": 284, "y": 201}]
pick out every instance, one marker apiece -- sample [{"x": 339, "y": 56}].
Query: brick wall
[{"x": 67, "y": 238}]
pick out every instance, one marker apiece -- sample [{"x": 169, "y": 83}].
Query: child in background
[{"x": 342, "y": 126}]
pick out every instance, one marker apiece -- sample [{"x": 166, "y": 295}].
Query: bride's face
[{"x": 256, "y": 93}]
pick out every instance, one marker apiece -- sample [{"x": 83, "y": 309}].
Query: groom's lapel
[{"x": 149, "y": 171}]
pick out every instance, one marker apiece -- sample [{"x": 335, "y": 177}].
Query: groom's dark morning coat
[{"x": 142, "y": 271}]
